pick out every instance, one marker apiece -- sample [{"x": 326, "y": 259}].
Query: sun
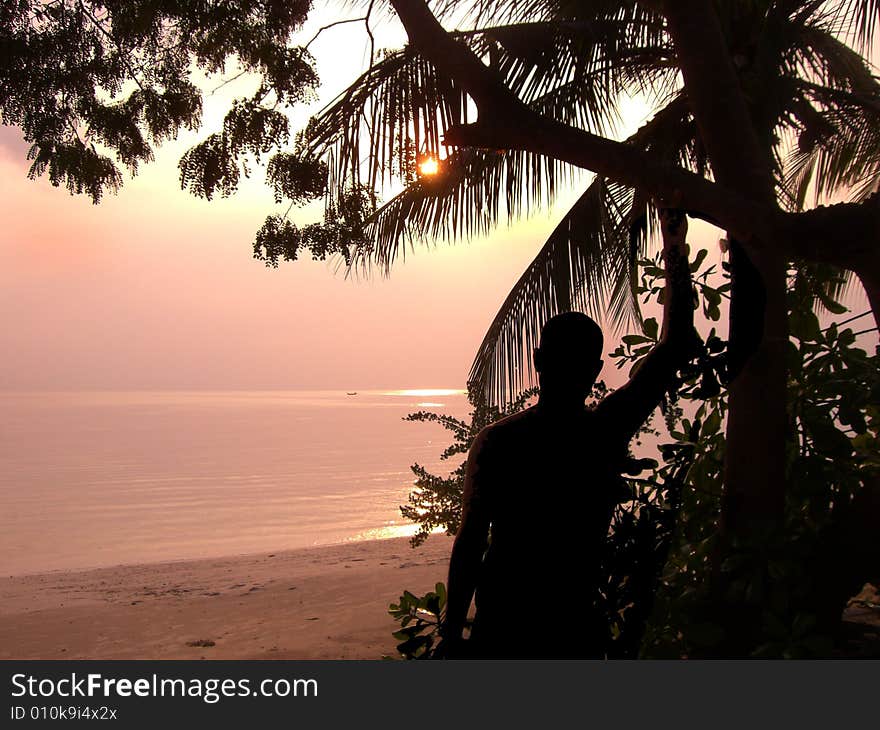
[{"x": 429, "y": 166}]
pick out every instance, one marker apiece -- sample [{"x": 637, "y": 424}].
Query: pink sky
[{"x": 154, "y": 289}]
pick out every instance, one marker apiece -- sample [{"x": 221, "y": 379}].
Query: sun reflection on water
[{"x": 390, "y": 531}]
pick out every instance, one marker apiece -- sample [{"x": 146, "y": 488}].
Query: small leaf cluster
[
  {"x": 704, "y": 374},
  {"x": 217, "y": 162},
  {"x": 419, "y": 618},
  {"x": 341, "y": 231},
  {"x": 296, "y": 177}
]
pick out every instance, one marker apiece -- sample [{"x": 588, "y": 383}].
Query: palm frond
[
  {"x": 373, "y": 132},
  {"x": 475, "y": 190},
  {"x": 838, "y": 147},
  {"x": 575, "y": 269},
  {"x": 587, "y": 263},
  {"x": 819, "y": 55},
  {"x": 594, "y": 61},
  {"x": 490, "y": 12},
  {"x": 376, "y": 129},
  {"x": 398, "y": 109},
  {"x": 859, "y": 19}
]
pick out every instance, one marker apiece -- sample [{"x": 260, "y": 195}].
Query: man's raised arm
[{"x": 631, "y": 405}]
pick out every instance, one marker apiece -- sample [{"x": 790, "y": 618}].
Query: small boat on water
[{"x": 355, "y": 393}]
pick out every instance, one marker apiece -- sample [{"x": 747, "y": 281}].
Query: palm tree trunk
[{"x": 754, "y": 480}]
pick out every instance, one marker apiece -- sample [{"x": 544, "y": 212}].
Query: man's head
[{"x": 569, "y": 357}]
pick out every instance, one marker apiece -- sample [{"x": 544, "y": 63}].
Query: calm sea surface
[{"x": 94, "y": 479}]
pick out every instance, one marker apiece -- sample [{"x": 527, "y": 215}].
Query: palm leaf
[
  {"x": 844, "y": 155},
  {"x": 587, "y": 263},
  {"x": 475, "y": 190},
  {"x": 397, "y": 110},
  {"x": 822, "y": 57},
  {"x": 398, "y": 98},
  {"x": 573, "y": 270},
  {"x": 859, "y": 19}
]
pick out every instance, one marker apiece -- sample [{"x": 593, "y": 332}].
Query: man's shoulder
[{"x": 507, "y": 428}]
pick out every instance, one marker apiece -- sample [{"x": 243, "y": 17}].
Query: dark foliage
[{"x": 84, "y": 78}]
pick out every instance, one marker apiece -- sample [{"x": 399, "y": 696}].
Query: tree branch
[
  {"x": 100, "y": 27},
  {"x": 504, "y": 121},
  {"x": 361, "y": 19}
]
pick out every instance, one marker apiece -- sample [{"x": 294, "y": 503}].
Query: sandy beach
[{"x": 314, "y": 603}]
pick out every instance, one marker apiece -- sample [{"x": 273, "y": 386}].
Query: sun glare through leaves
[{"x": 429, "y": 166}]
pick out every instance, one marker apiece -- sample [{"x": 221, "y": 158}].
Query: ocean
[{"x": 92, "y": 479}]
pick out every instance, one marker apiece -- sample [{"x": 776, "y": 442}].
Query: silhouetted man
[{"x": 543, "y": 481}]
